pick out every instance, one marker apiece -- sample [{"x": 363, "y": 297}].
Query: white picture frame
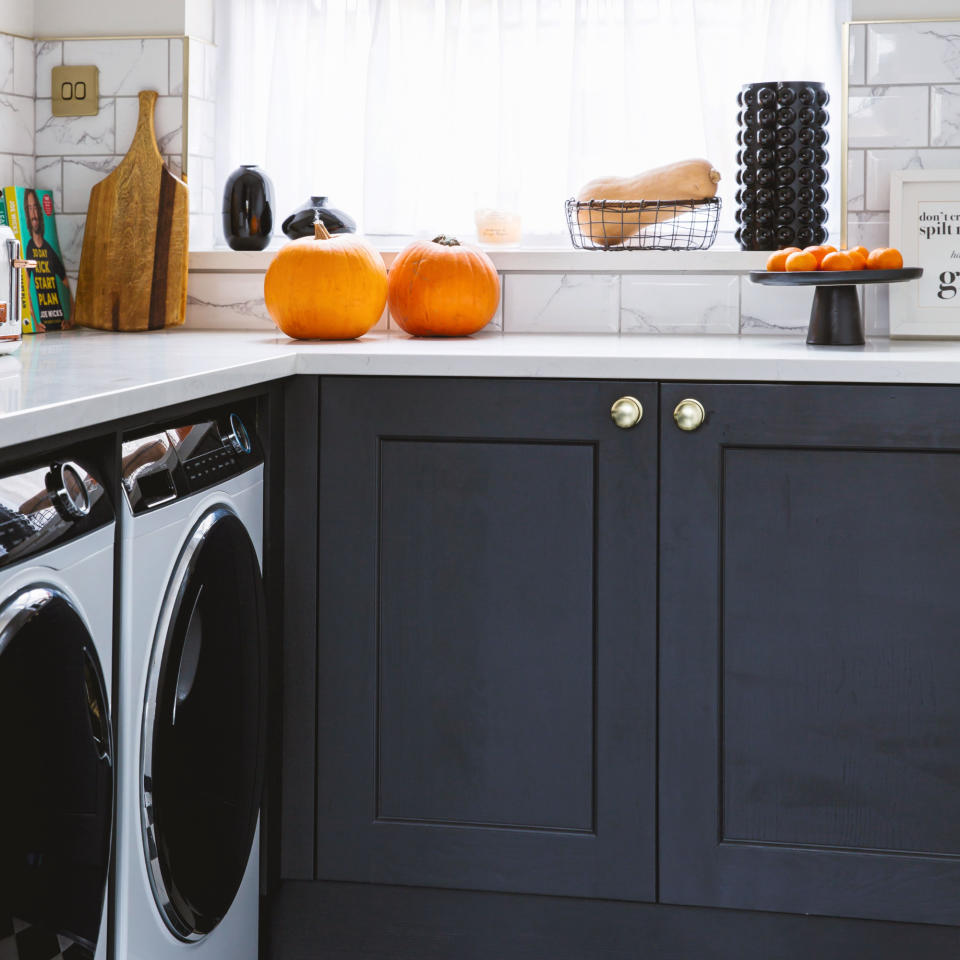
[{"x": 925, "y": 227}]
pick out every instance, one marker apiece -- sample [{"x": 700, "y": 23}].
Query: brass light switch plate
[{"x": 76, "y": 91}]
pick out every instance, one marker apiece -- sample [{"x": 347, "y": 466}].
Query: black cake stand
[{"x": 835, "y": 319}]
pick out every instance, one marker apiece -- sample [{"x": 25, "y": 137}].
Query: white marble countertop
[{"x": 59, "y": 382}]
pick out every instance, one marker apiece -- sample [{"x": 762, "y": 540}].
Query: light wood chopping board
[{"x": 133, "y": 267}]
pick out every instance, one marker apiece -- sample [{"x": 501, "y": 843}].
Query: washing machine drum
[
  {"x": 204, "y": 727},
  {"x": 56, "y": 803}
]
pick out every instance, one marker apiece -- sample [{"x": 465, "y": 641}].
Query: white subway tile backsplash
[
  {"x": 64, "y": 136},
  {"x": 176, "y": 68},
  {"x": 858, "y": 53},
  {"x": 24, "y": 70},
  {"x": 881, "y": 163},
  {"x": 16, "y": 124},
  {"x": 23, "y": 171},
  {"x": 6, "y": 63},
  {"x": 876, "y": 309},
  {"x": 210, "y": 72},
  {"x": 167, "y": 123},
  {"x": 856, "y": 188},
  {"x": 561, "y": 303},
  {"x": 888, "y": 116},
  {"x": 80, "y": 175},
  {"x": 201, "y": 231},
  {"x": 213, "y": 197},
  {"x": 49, "y": 54},
  {"x": 945, "y": 116},
  {"x": 679, "y": 304},
  {"x": 198, "y": 73},
  {"x": 918, "y": 52},
  {"x": 871, "y": 229},
  {"x": 6, "y": 170},
  {"x": 126, "y": 66},
  {"x": 775, "y": 310},
  {"x": 70, "y": 231},
  {"x": 174, "y": 164},
  {"x": 48, "y": 175}
]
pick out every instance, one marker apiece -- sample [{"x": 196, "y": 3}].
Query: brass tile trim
[{"x": 845, "y": 105}]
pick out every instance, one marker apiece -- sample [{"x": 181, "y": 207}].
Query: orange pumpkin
[
  {"x": 442, "y": 288},
  {"x": 326, "y": 288}
]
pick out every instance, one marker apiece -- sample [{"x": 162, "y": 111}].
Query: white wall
[
  {"x": 903, "y": 10},
  {"x": 108, "y": 18},
  {"x": 16, "y": 16}
]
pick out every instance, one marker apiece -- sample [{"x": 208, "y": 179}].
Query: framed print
[{"x": 925, "y": 227}]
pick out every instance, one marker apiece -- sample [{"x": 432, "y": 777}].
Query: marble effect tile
[
  {"x": 48, "y": 54},
  {"x": 6, "y": 63},
  {"x": 857, "y": 64},
  {"x": 16, "y": 124},
  {"x": 913, "y": 52},
  {"x": 126, "y": 66},
  {"x": 76, "y": 135},
  {"x": 70, "y": 231},
  {"x": 561, "y": 303},
  {"x": 176, "y": 68},
  {"x": 6, "y": 170},
  {"x": 869, "y": 229},
  {"x": 48, "y": 175},
  {"x": 876, "y": 309},
  {"x": 24, "y": 70},
  {"x": 80, "y": 175},
  {"x": 888, "y": 117},
  {"x": 945, "y": 116},
  {"x": 881, "y": 163},
  {"x": 856, "y": 173},
  {"x": 775, "y": 310},
  {"x": 679, "y": 304},
  {"x": 23, "y": 171},
  {"x": 167, "y": 122},
  {"x": 227, "y": 301}
]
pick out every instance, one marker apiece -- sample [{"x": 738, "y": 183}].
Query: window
[{"x": 410, "y": 114}]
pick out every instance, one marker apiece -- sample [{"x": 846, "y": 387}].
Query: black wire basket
[{"x": 647, "y": 225}]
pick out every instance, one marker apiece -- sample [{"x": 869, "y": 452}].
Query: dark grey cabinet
[
  {"x": 486, "y": 695},
  {"x": 810, "y": 651}
]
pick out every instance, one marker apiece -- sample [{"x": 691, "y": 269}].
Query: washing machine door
[
  {"x": 56, "y": 803},
  {"x": 204, "y": 727}
]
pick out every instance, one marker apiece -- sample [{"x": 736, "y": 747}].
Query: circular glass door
[
  {"x": 204, "y": 727},
  {"x": 56, "y": 804}
]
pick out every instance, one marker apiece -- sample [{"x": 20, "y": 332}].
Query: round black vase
[
  {"x": 248, "y": 208},
  {"x": 781, "y": 198},
  {"x": 300, "y": 222}
]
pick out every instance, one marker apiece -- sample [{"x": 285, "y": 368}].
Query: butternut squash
[{"x": 617, "y": 221}]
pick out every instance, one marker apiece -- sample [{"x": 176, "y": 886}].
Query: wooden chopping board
[{"x": 133, "y": 267}]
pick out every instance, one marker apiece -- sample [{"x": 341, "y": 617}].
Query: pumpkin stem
[
  {"x": 446, "y": 241},
  {"x": 320, "y": 232}
]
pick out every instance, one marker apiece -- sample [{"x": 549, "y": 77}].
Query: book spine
[{"x": 13, "y": 218}]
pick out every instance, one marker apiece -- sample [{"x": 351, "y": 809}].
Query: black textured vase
[
  {"x": 300, "y": 222},
  {"x": 248, "y": 208},
  {"x": 782, "y": 158}
]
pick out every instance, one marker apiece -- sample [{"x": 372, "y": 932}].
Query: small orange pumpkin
[
  {"x": 442, "y": 288},
  {"x": 326, "y": 288}
]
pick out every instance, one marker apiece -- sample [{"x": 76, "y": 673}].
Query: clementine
[
  {"x": 885, "y": 258},
  {"x": 803, "y": 260},
  {"x": 837, "y": 261},
  {"x": 820, "y": 252},
  {"x": 778, "y": 259}
]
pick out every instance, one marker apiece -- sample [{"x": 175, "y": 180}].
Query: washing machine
[
  {"x": 192, "y": 692},
  {"x": 56, "y": 745}
]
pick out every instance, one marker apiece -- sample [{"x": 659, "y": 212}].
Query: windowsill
[{"x": 523, "y": 258}]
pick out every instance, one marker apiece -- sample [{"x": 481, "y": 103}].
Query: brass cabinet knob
[
  {"x": 626, "y": 412},
  {"x": 689, "y": 414}
]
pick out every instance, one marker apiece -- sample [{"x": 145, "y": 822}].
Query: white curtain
[{"x": 410, "y": 114}]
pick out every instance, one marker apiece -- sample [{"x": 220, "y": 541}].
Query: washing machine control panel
[
  {"x": 174, "y": 462},
  {"x": 48, "y": 505}
]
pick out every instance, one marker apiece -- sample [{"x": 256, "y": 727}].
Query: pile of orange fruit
[{"x": 825, "y": 257}]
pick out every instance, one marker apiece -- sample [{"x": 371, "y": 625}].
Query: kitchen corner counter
[{"x": 60, "y": 382}]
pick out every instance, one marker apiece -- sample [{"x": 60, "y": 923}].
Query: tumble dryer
[
  {"x": 56, "y": 747},
  {"x": 192, "y": 693}
]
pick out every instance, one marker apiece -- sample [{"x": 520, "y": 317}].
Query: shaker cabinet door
[
  {"x": 487, "y": 636},
  {"x": 810, "y": 651}
]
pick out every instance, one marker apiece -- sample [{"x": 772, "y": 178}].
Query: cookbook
[{"x": 45, "y": 294}]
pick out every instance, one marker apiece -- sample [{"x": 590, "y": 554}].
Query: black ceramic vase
[
  {"x": 300, "y": 222},
  {"x": 248, "y": 208},
  {"x": 781, "y": 198}
]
